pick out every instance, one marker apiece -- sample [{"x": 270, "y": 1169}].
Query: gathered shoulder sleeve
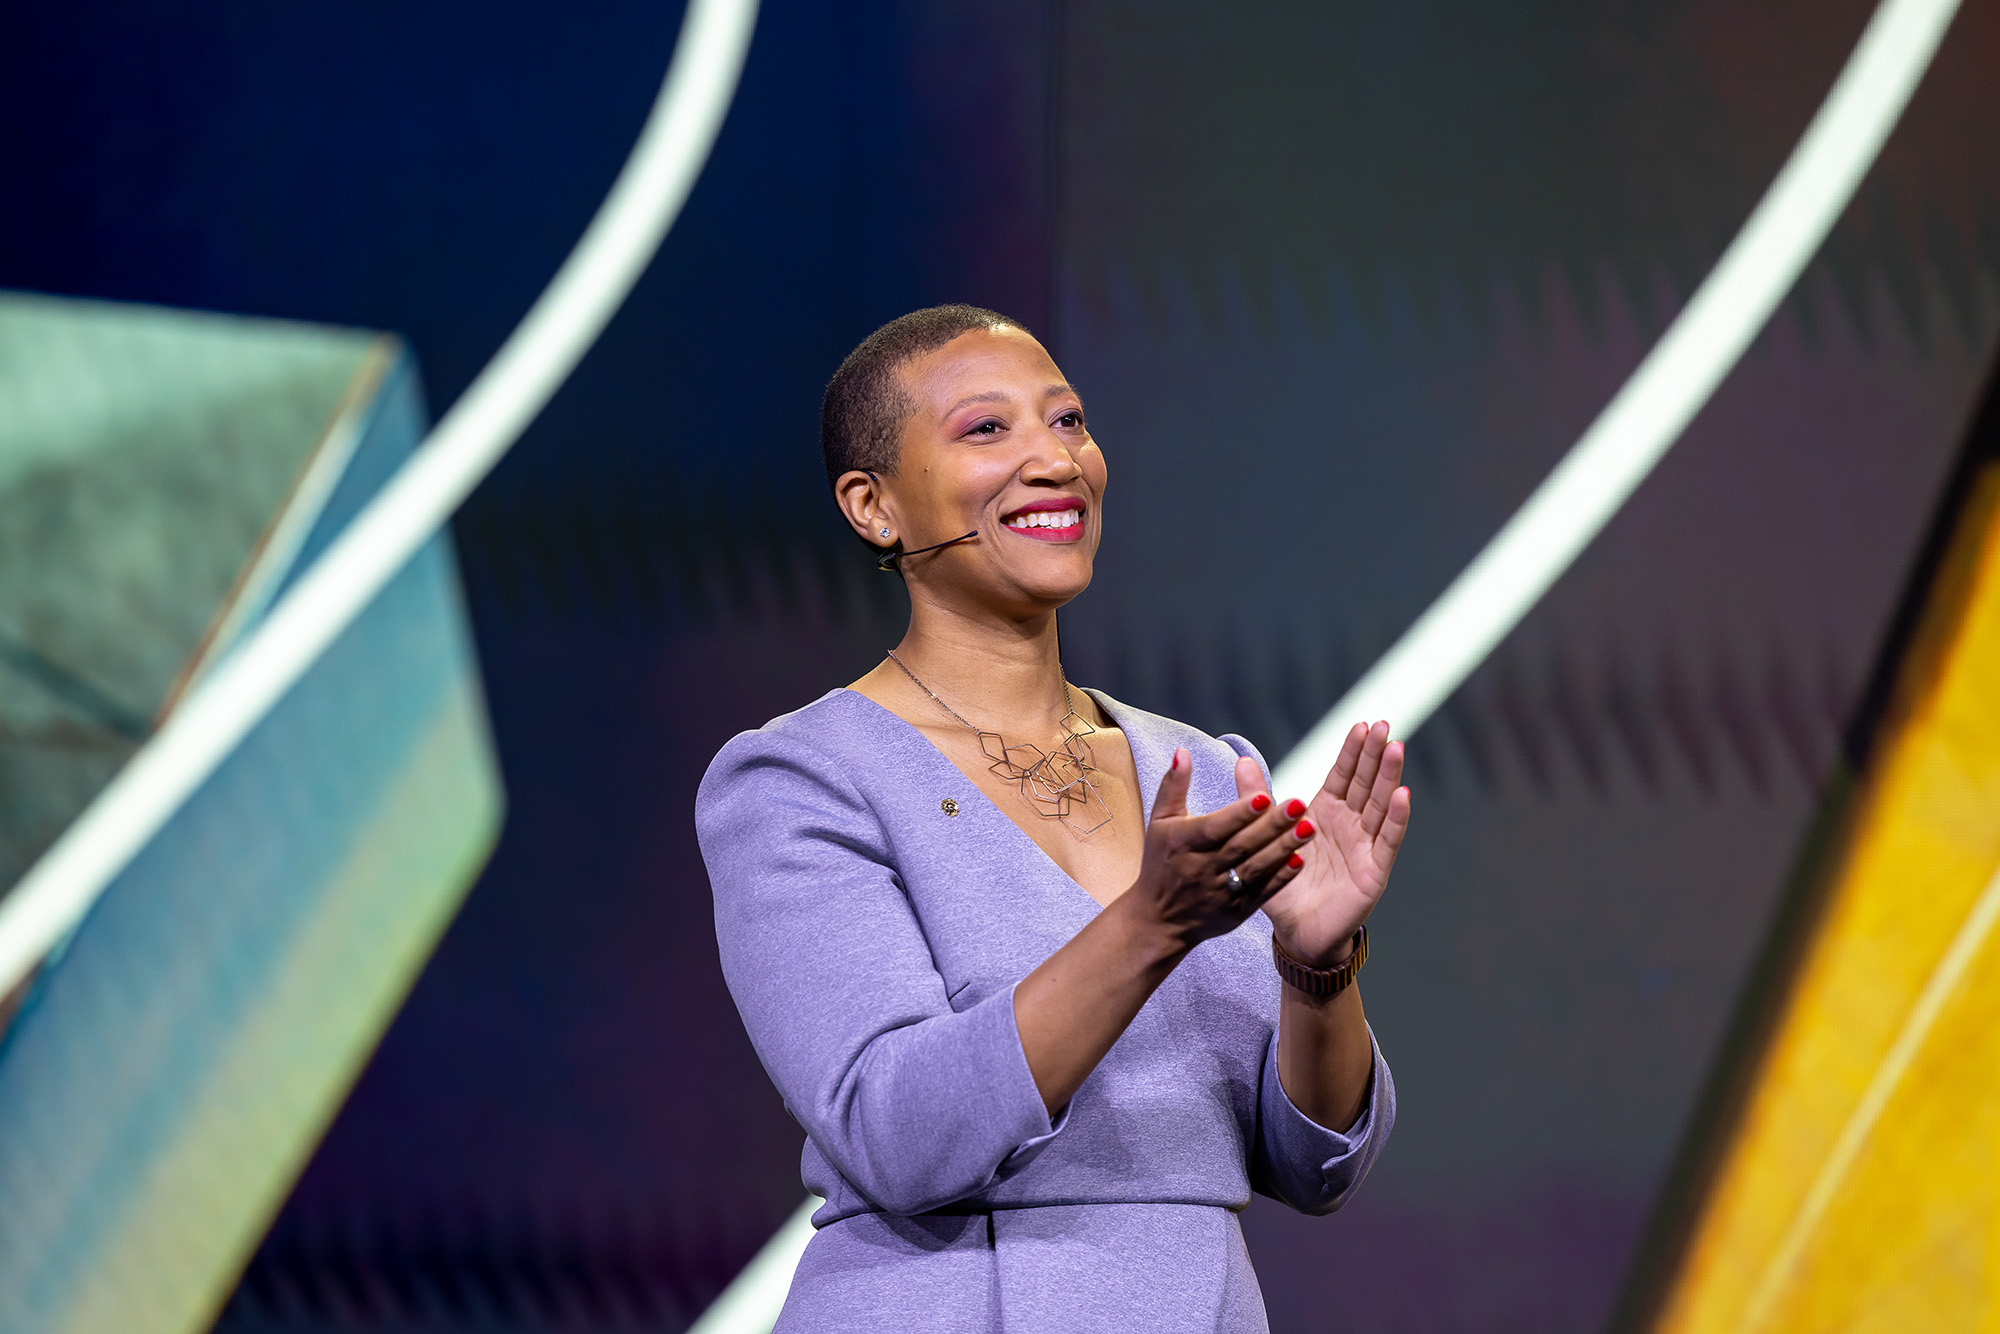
[
  {"x": 915, "y": 1104},
  {"x": 1296, "y": 1160}
]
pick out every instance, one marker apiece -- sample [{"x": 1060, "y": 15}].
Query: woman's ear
[{"x": 859, "y": 495}]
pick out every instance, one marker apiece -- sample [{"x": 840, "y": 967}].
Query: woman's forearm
[
  {"x": 1073, "y": 1007},
  {"x": 1325, "y": 1056}
]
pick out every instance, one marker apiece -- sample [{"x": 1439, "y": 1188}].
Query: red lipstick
[{"x": 1039, "y": 531}]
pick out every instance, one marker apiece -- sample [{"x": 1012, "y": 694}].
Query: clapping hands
[{"x": 1361, "y": 812}]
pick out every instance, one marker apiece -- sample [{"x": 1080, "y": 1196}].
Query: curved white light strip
[
  {"x": 1930, "y": 1002},
  {"x": 59, "y": 889},
  {"x": 1576, "y": 500},
  {"x": 751, "y": 1303},
  {"x": 1573, "y": 504}
]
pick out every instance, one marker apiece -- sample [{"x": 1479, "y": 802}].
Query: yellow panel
[{"x": 1862, "y": 1190}]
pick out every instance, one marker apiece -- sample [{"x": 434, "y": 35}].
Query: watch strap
[{"x": 1320, "y": 983}]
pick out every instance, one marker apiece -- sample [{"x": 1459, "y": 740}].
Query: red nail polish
[
  {"x": 1296, "y": 861},
  {"x": 1260, "y": 803},
  {"x": 1304, "y": 829},
  {"x": 1174, "y": 765},
  {"x": 1295, "y": 808}
]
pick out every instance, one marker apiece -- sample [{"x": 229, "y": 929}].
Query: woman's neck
[{"x": 998, "y": 674}]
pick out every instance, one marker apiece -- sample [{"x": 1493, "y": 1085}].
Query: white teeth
[{"x": 1047, "y": 519}]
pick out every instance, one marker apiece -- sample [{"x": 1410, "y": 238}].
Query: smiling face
[{"x": 995, "y": 442}]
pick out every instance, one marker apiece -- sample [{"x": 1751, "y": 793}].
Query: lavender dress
[{"x": 872, "y": 941}]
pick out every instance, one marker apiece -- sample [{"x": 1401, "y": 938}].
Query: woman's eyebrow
[
  {"x": 990, "y": 396},
  {"x": 1000, "y": 396}
]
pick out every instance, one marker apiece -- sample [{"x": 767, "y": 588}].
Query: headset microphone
[{"x": 889, "y": 558}]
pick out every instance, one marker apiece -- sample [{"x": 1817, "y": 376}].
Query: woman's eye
[
  {"x": 985, "y": 428},
  {"x": 1071, "y": 419}
]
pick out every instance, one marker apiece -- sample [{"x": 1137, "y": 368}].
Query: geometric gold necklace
[{"x": 1057, "y": 783}]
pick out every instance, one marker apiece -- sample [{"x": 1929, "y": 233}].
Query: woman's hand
[
  {"x": 1361, "y": 814},
  {"x": 1072, "y": 1008},
  {"x": 1184, "y": 884}
]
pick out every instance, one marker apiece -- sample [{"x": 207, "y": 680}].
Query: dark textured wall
[{"x": 1338, "y": 285}]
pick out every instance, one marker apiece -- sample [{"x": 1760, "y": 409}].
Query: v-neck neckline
[{"x": 1143, "y": 756}]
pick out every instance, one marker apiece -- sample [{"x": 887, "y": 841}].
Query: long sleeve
[
  {"x": 915, "y": 1104},
  {"x": 1295, "y": 1159},
  {"x": 1298, "y": 1161}
]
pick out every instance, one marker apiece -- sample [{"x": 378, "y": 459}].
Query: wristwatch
[{"x": 1321, "y": 983}]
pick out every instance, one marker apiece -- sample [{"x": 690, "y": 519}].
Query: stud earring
[{"x": 885, "y": 532}]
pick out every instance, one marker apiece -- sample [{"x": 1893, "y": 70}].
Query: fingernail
[
  {"x": 1303, "y": 830},
  {"x": 1260, "y": 802},
  {"x": 1295, "y": 861},
  {"x": 1174, "y": 765},
  {"x": 1295, "y": 808}
]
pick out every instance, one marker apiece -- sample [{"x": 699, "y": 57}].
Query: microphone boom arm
[{"x": 889, "y": 558}]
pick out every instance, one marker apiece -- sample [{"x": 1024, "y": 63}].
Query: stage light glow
[
  {"x": 56, "y": 893},
  {"x": 750, "y": 1304},
  {"x": 1571, "y": 506}
]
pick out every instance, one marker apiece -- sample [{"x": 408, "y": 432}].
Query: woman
[{"x": 1052, "y": 984}]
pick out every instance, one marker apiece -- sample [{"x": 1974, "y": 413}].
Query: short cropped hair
[{"x": 861, "y": 419}]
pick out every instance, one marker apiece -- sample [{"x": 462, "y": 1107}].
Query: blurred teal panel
[
  {"x": 147, "y": 457},
  {"x": 171, "y": 1074}
]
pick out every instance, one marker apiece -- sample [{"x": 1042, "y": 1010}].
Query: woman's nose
[{"x": 1053, "y": 459}]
